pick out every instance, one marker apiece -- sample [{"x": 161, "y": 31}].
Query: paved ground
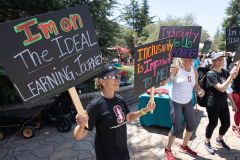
[{"x": 144, "y": 143}]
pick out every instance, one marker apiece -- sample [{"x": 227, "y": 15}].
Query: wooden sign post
[
  {"x": 77, "y": 103},
  {"x": 152, "y": 97},
  {"x": 174, "y": 65}
]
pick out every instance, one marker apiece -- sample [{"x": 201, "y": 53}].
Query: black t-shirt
[
  {"x": 236, "y": 82},
  {"x": 109, "y": 118},
  {"x": 122, "y": 59},
  {"x": 217, "y": 98}
]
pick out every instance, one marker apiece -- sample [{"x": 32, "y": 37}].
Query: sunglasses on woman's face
[{"x": 112, "y": 77}]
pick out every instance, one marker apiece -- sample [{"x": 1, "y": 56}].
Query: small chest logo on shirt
[
  {"x": 189, "y": 79},
  {"x": 118, "y": 111},
  {"x": 222, "y": 80}
]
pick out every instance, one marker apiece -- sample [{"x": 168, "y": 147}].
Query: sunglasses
[{"x": 112, "y": 77}]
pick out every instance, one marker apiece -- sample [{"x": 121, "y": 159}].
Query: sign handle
[
  {"x": 152, "y": 97},
  {"x": 174, "y": 64},
  {"x": 77, "y": 103}
]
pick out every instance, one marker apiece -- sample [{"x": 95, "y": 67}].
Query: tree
[
  {"x": 130, "y": 14},
  {"x": 16, "y": 9},
  {"x": 144, "y": 19},
  {"x": 215, "y": 41},
  {"x": 233, "y": 15},
  {"x": 232, "y": 20},
  {"x": 204, "y": 36},
  {"x": 136, "y": 17}
]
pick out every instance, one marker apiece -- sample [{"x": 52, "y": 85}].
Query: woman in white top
[{"x": 180, "y": 97}]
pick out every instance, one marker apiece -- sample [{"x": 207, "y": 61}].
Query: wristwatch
[{"x": 143, "y": 113}]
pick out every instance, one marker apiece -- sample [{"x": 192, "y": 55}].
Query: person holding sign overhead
[
  {"x": 217, "y": 105},
  {"x": 108, "y": 113},
  {"x": 180, "y": 98}
]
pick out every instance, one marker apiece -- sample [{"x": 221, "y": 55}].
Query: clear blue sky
[{"x": 209, "y": 13}]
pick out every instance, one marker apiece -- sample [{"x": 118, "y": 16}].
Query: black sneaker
[
  {"x": 208, "y": 147},
  {"x": 222, "y": 144}
]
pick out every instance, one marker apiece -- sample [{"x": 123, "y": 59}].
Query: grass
[{"x": 92, "y": 82}]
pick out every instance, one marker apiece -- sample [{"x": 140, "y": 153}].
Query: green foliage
[
  {"x": 130, "y": 14},
  {"x": 232, "y": 20},
  {"x": 16, "y": 9},
  {"x": 204, "y": 36},
  {"x": 144, "y": 19},
  {"x": 222, "y": 45},
  {"x": 136, "y": 16},
  {"x": 215, "y": 41}
]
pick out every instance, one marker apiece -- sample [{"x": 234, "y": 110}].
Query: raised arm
[
  {"x": 173, "y": 70},
  {"x": 222, "y": 87},
  {"x": 134, "y": 40}
]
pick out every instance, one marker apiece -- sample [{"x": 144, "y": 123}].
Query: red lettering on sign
[
  {"x": 66, "y": 24},
  {"x": 25, "y": 27},
  {"x": 73, "y": 19},
  {"x": 48, "y": 26}
]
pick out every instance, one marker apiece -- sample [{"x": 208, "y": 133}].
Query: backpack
[{"x": 202, "y": 101}]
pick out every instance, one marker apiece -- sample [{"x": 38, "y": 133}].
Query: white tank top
[{"x": 182, "y": 86}]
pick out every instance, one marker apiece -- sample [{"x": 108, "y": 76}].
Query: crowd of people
[{"x": 109, "y": 113}]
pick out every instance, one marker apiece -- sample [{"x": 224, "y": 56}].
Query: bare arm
[
  {"x": 230, "y": 98},
  {"x": 234, "y": 108},
  {"x": 132, "y": 116},
  {"x": 79, "y": 131},
  {"x": 134, "y": 40},
  {"x": 197, "y": 88},
  {"x": 173, "y": 70},
  {"x": 222, "y": 87}
]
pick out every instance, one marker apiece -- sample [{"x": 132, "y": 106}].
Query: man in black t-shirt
[{"x": 109, "y": 114}]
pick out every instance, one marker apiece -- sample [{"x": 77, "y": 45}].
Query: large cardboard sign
[
  {"x": 206, "y": 47},
  {"x": 186, "y": 40},
  {"x": 152, "y": 64},
  {"x": 47, "y": 54},
  {"x": 232, "y": 38}
]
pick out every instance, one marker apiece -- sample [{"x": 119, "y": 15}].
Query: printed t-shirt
[
  {"x": 235, "y": 82},
  {"x": 217, "y": 98},
  {"x": 109, "y": 118}
]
